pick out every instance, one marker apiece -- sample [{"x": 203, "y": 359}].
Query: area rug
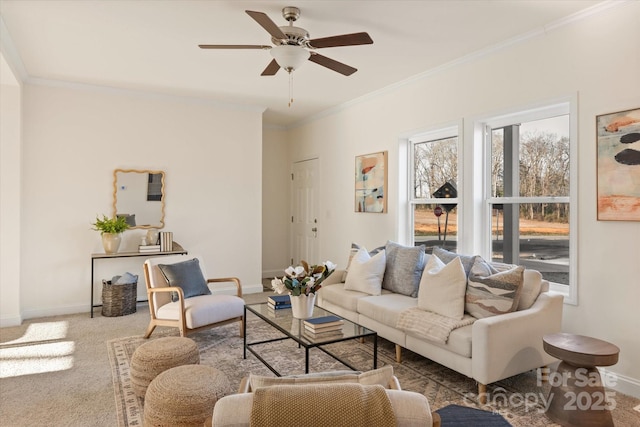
[{"x": 519, "y": 400}]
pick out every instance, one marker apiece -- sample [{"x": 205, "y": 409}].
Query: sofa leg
[
  {"x": 482, "y": 393},
  {"x": 543, "y": 374},
  {"x": 398, "y": 353}
]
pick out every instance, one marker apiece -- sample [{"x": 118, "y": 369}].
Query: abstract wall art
[
  {"x": 371, "y": 183},
  {"x": 618, "y": 144}
]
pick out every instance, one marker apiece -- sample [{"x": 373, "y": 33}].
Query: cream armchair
[
  {"x": 173, "y": 306},
  {"x": 409, "y": 409}
]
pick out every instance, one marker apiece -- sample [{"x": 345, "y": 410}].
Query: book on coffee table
[
  {"x": 323, "y": 323},
  {"x": 277, "y": 300},
  {"x": 323, "y": 335}
]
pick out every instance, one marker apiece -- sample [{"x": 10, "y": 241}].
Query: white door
[{"x": 304, "y": 212}]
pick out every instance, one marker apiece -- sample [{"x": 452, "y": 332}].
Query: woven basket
[{"x": 118, "y": 300}]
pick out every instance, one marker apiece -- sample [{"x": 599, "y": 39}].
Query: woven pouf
[
  {"x": 184, "y": 396},
  {"x": 154, "y": 357}
]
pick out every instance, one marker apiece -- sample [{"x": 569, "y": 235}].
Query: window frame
[
  {"x": 561, "y": 107},
  {"x": 474, "y": 213},
  {"x": 434, "y": 134}
]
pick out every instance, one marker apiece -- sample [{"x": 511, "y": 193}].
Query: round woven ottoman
[
  {"x": 184, "y": 396},
  {"x": 156, "y": 356}
]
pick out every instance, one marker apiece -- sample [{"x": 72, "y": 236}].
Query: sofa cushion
[
  {"x": 448, "y": 256},
  {"x": 459, "y": 341},
  {"x": 442, "y": 288},
  {"x": 381, "y": 376},
  {"x": 354, "y": 249},
  {"x": 491, "y": 292},
  {"x": 337, "y": 295},
  {"x": 186, "y": 275},
  {"x": 204, "y": 310},
  {"x": 385, "y": 308},
  {"x": 366, "y": 272},
  {"x": 404, "y": 268}
]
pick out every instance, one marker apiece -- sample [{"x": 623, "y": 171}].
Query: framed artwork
[
  {"x": 371, "y": 183},
  {"x": 618, "y": 144}
]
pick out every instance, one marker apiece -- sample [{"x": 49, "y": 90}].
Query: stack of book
[
  {"x": 322, "y": 327},
  {"x": 148, "y": 248},
  {"x": 277, "y": 302},
  {"x": 166, "y": 241}
]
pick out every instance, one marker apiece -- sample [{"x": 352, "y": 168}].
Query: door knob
[{"x": 315, "y": 231}]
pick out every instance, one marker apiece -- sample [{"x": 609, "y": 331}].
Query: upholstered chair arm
[{"x": 228, "y": 280}]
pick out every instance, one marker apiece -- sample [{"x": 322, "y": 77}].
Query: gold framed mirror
[{"x": 139, "y": 196}]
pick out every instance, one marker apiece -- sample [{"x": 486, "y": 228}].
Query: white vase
[
  {"x": 111, "y": 242},
  {"x": 302, "y": 306}
]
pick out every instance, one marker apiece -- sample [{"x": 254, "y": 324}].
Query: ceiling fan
[{"x": 293, "y": 46}]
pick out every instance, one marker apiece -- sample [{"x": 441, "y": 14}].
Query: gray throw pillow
[
  {"x": 186, "y": 275},
  {"x": 448, "y": 256},
  {"x": 404, "y": 268}
]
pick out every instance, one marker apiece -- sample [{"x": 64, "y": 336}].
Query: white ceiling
[{"x": 153, "y": 45}]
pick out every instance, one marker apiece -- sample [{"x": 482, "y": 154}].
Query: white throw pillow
[
  {"x": 442, "y": 288},
  {"x": 366, "y": 272}
]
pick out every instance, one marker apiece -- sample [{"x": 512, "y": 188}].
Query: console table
[{"x": 177, "y": 250}]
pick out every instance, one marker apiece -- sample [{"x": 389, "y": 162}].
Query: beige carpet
[{"x": 519, "y": 400}]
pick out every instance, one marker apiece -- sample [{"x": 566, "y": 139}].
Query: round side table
[{"x": 577, "y": 396}]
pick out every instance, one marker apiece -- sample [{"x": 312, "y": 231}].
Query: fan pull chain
[{"x": 290, "y": 88}]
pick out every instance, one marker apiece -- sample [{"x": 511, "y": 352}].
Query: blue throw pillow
[{"x": 186, "y": 275}]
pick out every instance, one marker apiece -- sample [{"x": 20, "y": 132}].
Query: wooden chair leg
[
  {"x": 150, "y": 329},
  {"x": 242, "y": 328},
  {"x": 482, "y": 393},
  {"x": 398, "y": 353}
]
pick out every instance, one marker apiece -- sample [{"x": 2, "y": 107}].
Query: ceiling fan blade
[
  {"x": 343, "y": 40},
  {"x": 233, "y": 46},
  {"x": 271, "y": 69},
  {"x": 266, "y": 23},
  {"x": 332, "y": 64}
]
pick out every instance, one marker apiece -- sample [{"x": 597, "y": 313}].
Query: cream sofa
[
  {"x": 410, "y": 409},
  {"x": 489, "y": 350}
]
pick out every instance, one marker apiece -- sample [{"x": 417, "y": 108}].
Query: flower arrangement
[{"x": 303, "y": 279}]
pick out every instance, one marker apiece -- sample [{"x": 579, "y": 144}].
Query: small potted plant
[{"x": 111, "y": 231}]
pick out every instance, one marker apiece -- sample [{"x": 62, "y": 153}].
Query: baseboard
[
  {"x": 10, "y": 321},
  {"x": 270, "y": 274},
  {"x": 623, "y": 384},
  {"x": 231, "y": 289},
  {"x": 56, "y": 311}
]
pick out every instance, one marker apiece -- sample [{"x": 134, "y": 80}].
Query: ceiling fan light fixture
[{"x": 289, "y": 57}]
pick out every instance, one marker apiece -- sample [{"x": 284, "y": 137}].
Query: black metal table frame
[
  {"x": 307, "y": 346},
  {"x": 96, "y": 256}
]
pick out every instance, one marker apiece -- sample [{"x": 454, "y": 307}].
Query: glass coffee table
[{"x": 292, "y": 328}]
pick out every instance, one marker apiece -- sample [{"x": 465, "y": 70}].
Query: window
[
  {"x": 434, "y": 176},
  {"x": 529, "y": 190},
  {"x": 506, "y": 190}
]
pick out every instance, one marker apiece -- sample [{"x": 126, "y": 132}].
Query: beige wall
[
  {"x": 10, "y": 170},
  {"x": 276, "y": 188},
  {"x": 597, "y": 62},
  {"x": 73, "y": 140}
]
